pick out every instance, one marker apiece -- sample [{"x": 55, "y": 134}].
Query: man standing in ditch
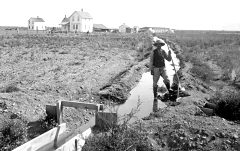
[{"x": 157, "y": 65}]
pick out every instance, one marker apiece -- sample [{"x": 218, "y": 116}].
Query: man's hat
[{"x": 159, "y": 42}]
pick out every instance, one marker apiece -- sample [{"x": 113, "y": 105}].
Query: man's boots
[{"x": 155, "y": 92}]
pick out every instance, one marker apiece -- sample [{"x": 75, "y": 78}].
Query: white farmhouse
[
  {"x": 79, "y": 21},
  {"x": 36, "y": 24}
]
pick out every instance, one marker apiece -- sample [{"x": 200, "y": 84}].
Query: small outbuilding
[
  {"x": 36, "y": 24},
  {"x": 124, "y": 29},
  {"x": 100, "y": 28}
]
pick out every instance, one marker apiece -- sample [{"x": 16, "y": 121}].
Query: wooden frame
[
  {"x": 83, "y": 105},
  {"x": 58, "y": 139}
]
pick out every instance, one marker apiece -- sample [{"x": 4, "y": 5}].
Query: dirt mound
[{"x": 119, "y": 87}]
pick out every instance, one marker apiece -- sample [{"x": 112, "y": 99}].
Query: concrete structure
[
  {"x": 124, "y": 29},
  {"x": 36, "y": 24},
  {"x": 156, "y": 30},
  {"x": 79, "y": 21},
  {"x": 100, "y": 28}
]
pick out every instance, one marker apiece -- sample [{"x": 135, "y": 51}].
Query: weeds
[
  {"x": 12, "y": 134},
  {"x": 120, "y": 137},
  {"x": 200, "y": 47},
  {"x": 201, "y": 70},
  {"x": 228, "y": 105}
]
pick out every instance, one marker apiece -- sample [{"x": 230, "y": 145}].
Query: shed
[{"x": 100, "y": 28}]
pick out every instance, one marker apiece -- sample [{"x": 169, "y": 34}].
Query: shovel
[{"x": 176, "y": 74}]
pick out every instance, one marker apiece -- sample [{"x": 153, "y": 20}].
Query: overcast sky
[{"x": 176, "y": 14}]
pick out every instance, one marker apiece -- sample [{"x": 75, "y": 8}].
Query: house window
[{"x": 76, "y": 26}]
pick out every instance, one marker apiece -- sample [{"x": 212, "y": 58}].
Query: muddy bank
[{"x": 117, "y": 90}]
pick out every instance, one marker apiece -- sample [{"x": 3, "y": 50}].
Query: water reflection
[{"x": 141, "y": 93}]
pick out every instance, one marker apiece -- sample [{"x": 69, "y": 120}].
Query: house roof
[
  {"x": 83, "y": 14},
  {"x": 37, "y": 19},
  {"x": 159, "y": 28},
  {"x": 65, "y": 21},
  {"x": 124, "y": 26},
  {"x": 99, "y": 26}
]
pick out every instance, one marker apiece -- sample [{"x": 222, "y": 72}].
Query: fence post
[{"x": 59, "y": 112}]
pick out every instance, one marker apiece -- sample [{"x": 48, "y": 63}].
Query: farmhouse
[
  {"x": 100, "y": 28},
  {"x": 36, "y": 24},
  {"x": 79, "y": 21},
  {"x": 124, "y": 29},
  {"x": 156, "y": 30}
]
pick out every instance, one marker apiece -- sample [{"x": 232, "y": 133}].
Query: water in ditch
[{"x": 142, "y": 94}]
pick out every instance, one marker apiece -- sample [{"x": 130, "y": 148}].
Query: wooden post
[
  {"x": 76, "y": 144},
  {"x": 59, "y": 112}
]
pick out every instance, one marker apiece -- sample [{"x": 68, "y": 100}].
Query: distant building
[
  {"x": 135, "y": 29},
  {"x": 65, "y": 24},
  {"x": 100, "y": 28},
  {"x": 124, "y": 29},
  {"x": 36, "y": 24},
  {"x": 79, "y": 21},
  {"x": 156, "y": 30}
]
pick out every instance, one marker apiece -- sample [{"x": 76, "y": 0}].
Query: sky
[{"x": 175, "y": 14}]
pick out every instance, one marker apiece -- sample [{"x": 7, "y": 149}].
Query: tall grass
[{"x": 203, "y": 46}]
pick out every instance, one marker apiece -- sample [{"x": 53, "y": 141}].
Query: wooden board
[
  {"x": 105, "y": 120},
  {"x": 82, "y": 105},
  {"x": 44, "y": 139},
  {"x": 66, "y": 142},
  {"x": 76, "y": 143},
  {"x": 51, "y": 111}
]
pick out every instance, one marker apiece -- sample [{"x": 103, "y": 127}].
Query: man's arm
[{"x": 167, "y": 57}]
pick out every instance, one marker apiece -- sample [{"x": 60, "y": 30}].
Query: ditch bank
[{"x": 186, "y": 126}]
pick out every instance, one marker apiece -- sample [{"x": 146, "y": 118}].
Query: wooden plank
[
  {"x": 76, "y": 143},
  {"x": 51, "y": 111},
  {"x": 83, "y": 105},
  {"x": 64, "y": 138},
  {"x": 36, "y": 143},
  {"x": 105, "y": 120}
]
